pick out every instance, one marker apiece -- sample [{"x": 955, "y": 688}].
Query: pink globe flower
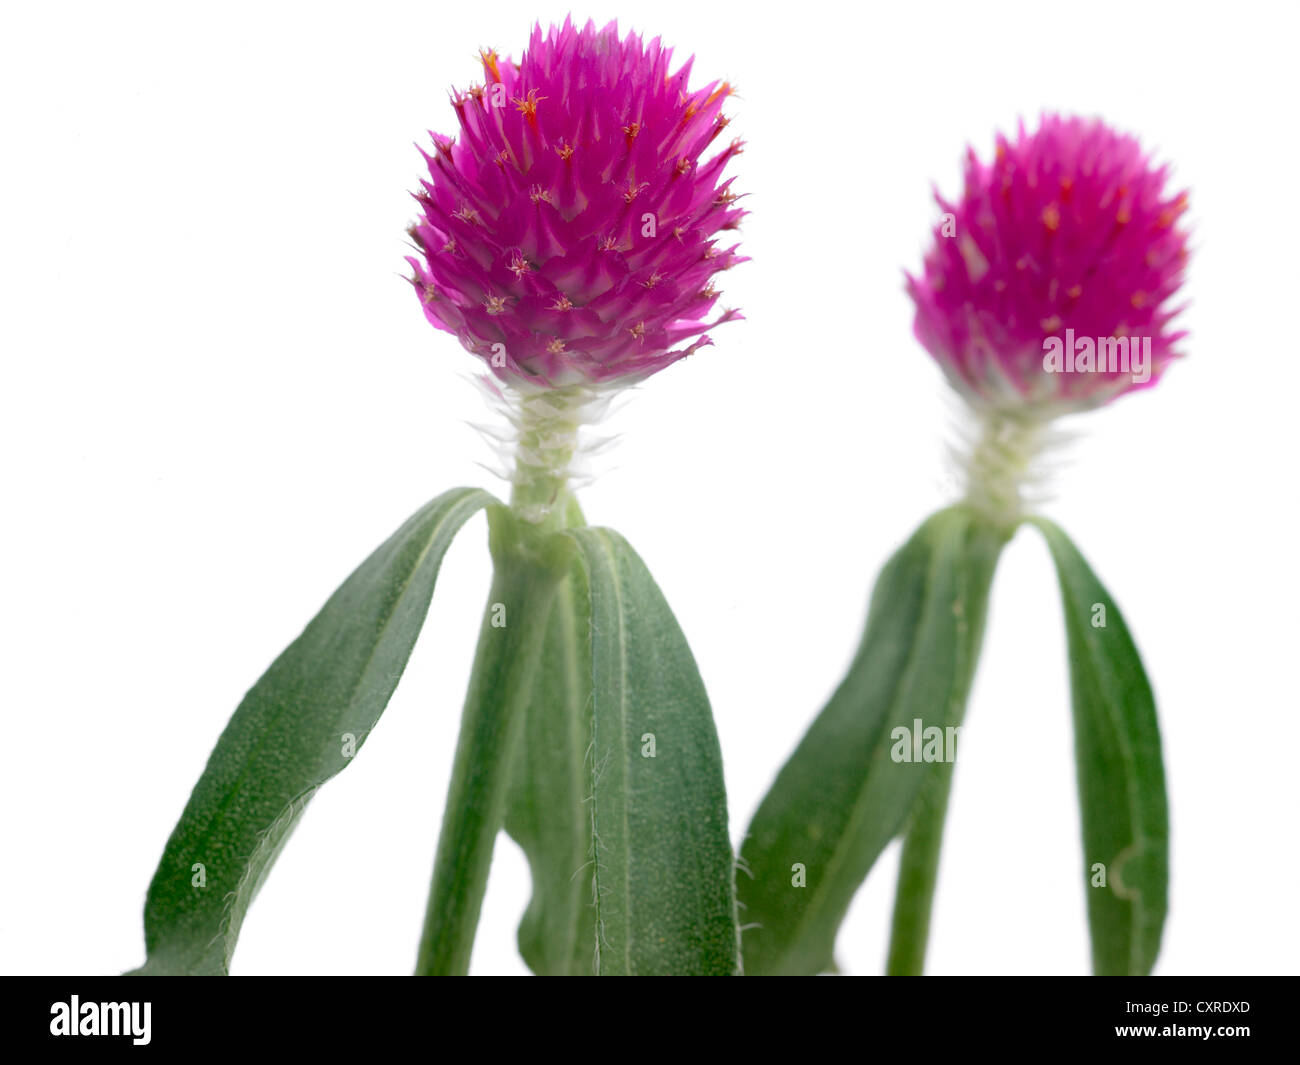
[
  {"x": 569, "y": 237},
  {"x": 1048, "y": 286}
]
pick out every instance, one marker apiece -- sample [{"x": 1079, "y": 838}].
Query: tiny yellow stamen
[{"x": 528, "y": 105}]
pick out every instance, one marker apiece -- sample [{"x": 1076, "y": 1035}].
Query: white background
[{"x": 219, "y": 394}]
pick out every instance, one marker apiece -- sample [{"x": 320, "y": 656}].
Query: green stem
[
  {"x": 548, "y": 425},
  {"x": 917, "y": 875},
  {"x": 529, "y": 565},
  {"x": 1000, "y": 463}
]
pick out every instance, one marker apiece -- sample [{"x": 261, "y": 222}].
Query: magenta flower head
[
  {"x": 1048, "y": 286},
  {"x": 570, "y": 234}
]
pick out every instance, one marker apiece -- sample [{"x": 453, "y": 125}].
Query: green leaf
[
  {"x": 918, "y": 874},
  {"x": 298, "y": 726},
  {"x": 530, "y": 564},
  {"x": 622, "y": 807},
  {"x": 842, "y": 796},
  {"x": 1121, "y": 774},
  {"x": 547, "y": 813}
]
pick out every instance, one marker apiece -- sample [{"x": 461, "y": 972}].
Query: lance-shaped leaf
[
  {"x": 1121, "y": 774},
  {"x": 530, "y": 563},
  {"x": 547, "y": 812},
  {"x": 622, "y": 808},
  {"x": 851, "y": 784},
  {"x": 299, "y": 725}
]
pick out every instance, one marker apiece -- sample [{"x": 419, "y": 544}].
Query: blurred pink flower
[
  {"x": 570, "y": 234},
  {"x": 1067, "y": 234}
]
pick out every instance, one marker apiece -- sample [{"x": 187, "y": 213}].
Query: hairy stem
[
  {"x": 1000, "y": 463},
  {"x": 548, "y": 424}
]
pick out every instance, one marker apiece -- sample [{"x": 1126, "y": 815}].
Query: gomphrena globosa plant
[
  {"x": 1047, "y": 291},
  {"x": 570, "y": 236}
]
